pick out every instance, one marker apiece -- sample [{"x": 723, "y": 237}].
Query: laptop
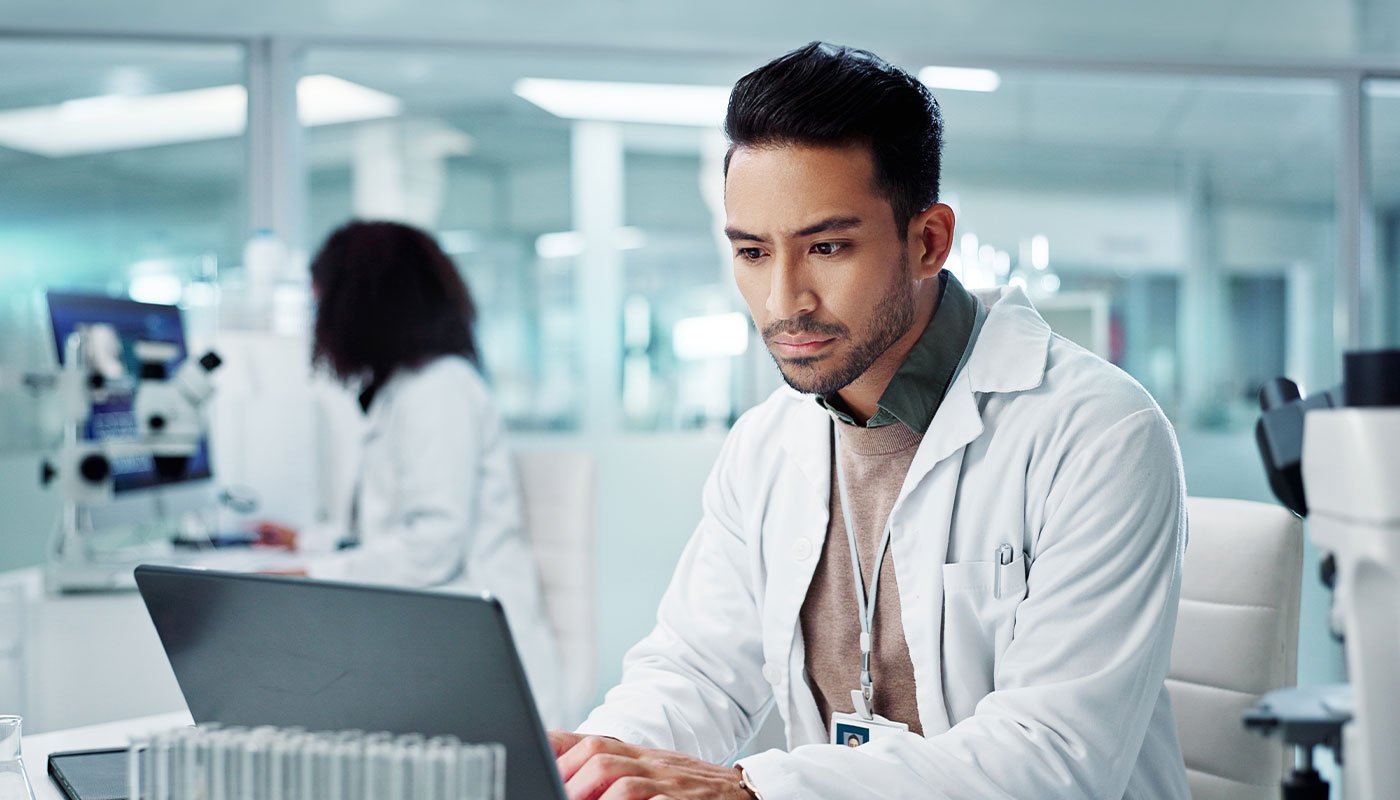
[{"x": 270, "y": 650}]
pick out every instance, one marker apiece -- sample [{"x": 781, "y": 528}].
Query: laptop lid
[{"x": 270, "y": 650}]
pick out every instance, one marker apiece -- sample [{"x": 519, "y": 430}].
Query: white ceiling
[
  {"x": 1255, "y": 139},
  {"x": 1284, "y": 29}
]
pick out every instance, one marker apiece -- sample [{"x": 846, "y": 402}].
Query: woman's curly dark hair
[{"x": 388, "y": 297}]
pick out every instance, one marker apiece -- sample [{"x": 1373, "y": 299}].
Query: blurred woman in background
[{"x": 436, "y": 501}]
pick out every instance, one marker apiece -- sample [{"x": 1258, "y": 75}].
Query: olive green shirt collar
[{"x": 919, "y": 385}]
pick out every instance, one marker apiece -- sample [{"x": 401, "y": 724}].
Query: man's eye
[
  {"x": 827, "y": 248},
  {"x": 749, "y": 253}
]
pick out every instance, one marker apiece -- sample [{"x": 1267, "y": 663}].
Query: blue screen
[{"x": 133, "y": 322}]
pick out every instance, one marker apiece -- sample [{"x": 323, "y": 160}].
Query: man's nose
[{"x": 789, "y": 294}]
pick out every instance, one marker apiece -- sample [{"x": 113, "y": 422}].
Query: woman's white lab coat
[
  {"x": 438, "y": 507},
  {"x": 1040, "y": 679}
]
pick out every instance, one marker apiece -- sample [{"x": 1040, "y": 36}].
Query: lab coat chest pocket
[{"x": 979, "y": 614}]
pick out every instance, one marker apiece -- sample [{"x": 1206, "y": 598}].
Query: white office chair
[
  {"x": 557, "y": 489},
  {"x": 1236, "y": 638}
]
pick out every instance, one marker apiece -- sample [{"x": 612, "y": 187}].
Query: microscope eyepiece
[
  {"x": 1277, "y": 392},
  {"x": 1373, "y": 379}
]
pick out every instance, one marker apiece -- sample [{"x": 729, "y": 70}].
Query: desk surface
[{"x": 36, "y": 748}]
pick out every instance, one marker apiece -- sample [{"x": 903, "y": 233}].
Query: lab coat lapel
[
  {"x": 802, "y": 528},
  {"x": 922, "y": 520},
  {"x": 807, "y": 441},
  {"x": 1009, "y": 355}
]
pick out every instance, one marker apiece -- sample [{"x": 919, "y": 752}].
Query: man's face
[{"x": 819, "y": 260}]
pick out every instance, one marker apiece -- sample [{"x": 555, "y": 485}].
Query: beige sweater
[{"x": 875, "y": 461}]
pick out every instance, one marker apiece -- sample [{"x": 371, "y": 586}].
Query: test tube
[
  {"x": 378, "y": 765},
  {"x": 137, "y": 770}
]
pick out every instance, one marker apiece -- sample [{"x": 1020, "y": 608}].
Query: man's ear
[{"x": 931, "y": 236}]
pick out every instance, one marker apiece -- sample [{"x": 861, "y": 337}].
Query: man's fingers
[
  {"x": 634, "y": 788},
  {"x": 611, "y": 776},
  {"x": 588, "y": 748},
  {"x": 561, "y": 741}
]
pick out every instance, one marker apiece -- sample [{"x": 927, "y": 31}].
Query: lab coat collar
[
  {"x": 1012, "y": 349},
  {"x": 1009, "y": 355}
]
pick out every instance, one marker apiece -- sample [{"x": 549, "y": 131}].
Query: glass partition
[
  {"x": 583, "y": 240},
  {"x": 123, "y": 169},
  {"x": 1181, "y": 227}
]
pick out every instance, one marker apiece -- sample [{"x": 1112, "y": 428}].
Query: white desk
[{"x": 36, "y": 748}]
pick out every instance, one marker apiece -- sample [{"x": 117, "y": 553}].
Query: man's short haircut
[{"x": 825, "y": 94}]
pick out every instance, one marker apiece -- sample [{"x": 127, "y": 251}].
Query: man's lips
[{"x": 800, "y": 345}]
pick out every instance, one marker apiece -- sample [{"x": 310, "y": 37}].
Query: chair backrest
[
  {"x": 557, "y": 490},
  {"x": 1236, "y": 638}
]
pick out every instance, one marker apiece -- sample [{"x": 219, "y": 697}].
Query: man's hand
[{"x": 599, "y": 768}]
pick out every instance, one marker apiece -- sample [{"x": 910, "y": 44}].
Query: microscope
[
  {"x": 165, "y": 425},
  {"x": 1334, "y": 458}
]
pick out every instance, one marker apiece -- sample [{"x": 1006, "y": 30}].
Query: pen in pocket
[{"x": 1005, "y": 555}]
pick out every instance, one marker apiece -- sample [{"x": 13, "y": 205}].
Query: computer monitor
[{"x": 132, "y": 321}]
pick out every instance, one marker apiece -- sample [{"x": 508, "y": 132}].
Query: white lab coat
[
  {"x": 1053, "y": 688},
  {"x": 439, "y": 507}
]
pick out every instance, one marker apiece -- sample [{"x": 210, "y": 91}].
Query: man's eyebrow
[
  {"x": 736, "y": 235},
  {"x": 829, "y": 225}
]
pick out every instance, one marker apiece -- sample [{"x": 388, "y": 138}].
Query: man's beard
[{"x": 894, "y": 313}]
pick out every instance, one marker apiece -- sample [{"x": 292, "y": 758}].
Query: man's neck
[{"x": 862, "y": 395}]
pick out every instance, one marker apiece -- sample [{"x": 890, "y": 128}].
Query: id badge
[{"x": 853, "y": 730}]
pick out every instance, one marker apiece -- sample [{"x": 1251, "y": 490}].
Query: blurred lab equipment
[
  {"x": 1335, "y": 458},
  {"x": 131, "y": 405}
]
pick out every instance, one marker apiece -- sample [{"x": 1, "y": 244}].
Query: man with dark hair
[{"x": 950, "y": 559}]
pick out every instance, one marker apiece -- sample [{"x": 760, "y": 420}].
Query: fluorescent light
[
  {"x": 564, "y": 244},
  {"x": 1040, "y": 251},
  {"x": 567, "y": 244},
  {"x": 328, "y": 100},
  {"x": 1001, "y": 262},
  {"x": 119, "y": 122},
  {"x": 104, "y": 124},
  {"x": 162, "y": 289},
  {"x": 710, "y": 336},
  {"x": 987, "y": 256},
  {"x": 961, "y": 79},
  {"x": 1383, "y": 87},
  {"x": 656, "y": 103},
  {"x": 969, "y": 248}
]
